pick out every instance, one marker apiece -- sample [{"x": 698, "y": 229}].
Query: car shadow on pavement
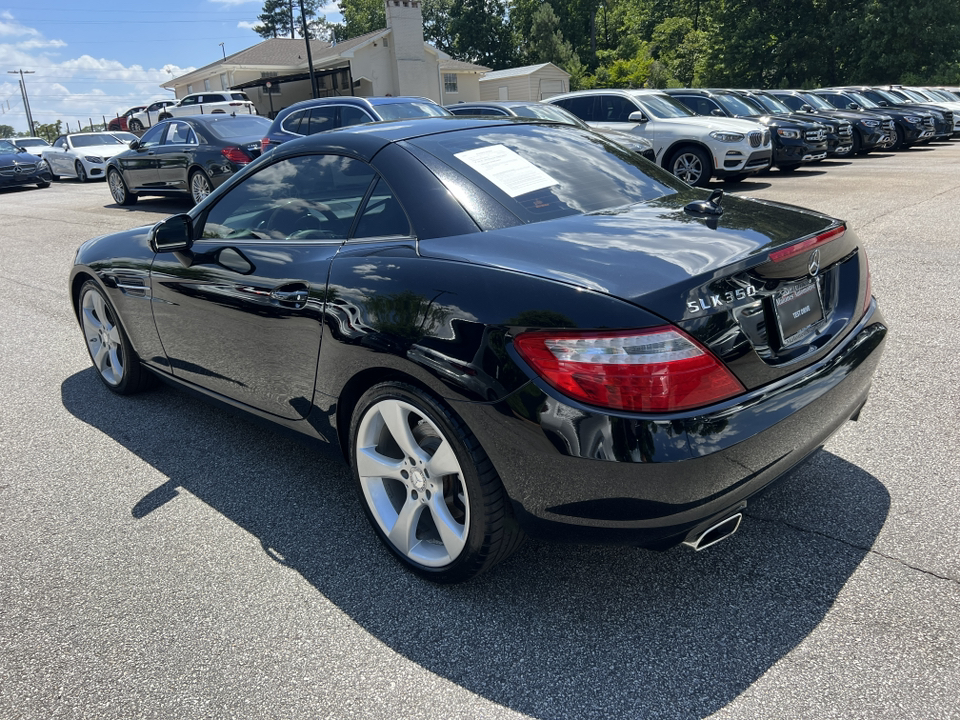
[
  {"x": 556, "y": 631},
  {"x": 160, "y": 205}
]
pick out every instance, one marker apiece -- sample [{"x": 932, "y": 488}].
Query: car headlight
[
  {"x": 787, "y": 133},
  {"x": 93, "y": 159},
  {"x": 912, "y": 119},
  {"x": 728, "y": 137},
  {"x": 870, "y": 123}
]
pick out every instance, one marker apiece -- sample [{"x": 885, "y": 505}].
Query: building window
[
  {"x": 449, "y": 82},
  {"x": 206, "y": 85},
  {"x": 224, "y": 85},
  {"x": 189, "y": 89}
]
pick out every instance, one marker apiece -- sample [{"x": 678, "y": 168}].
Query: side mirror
[
  {"x": 174, "y": 234},
  {"x": 806, "y": 108},
  {"x": 884, "y": 103},
  {"x": 134, "y": 144},
  {"x": 717, "y": 112},
  {"x": 637, "y": 117}
]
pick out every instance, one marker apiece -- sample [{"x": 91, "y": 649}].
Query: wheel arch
[{"x": 679, "y": 145}]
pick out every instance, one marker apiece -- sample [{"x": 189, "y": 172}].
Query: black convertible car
[
  {"x": 18, "y": 167},
  {"x": 189, "y": 155},
  {"x": 506, "y": 327}
]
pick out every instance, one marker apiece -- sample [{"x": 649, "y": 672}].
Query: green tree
[
  {"x": 437, "y": 17},
  {"x": 275, "y": 19},
  {"x": 480, "y": 34},
  {"x": 6, "y": 131},
  {"x": 681, "y": 49},
  {"x": 545, "y": 42},
  {"x": 360, "y": 17},
  {"x": 49, "y": 131}
]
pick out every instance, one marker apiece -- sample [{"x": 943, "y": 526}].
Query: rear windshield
[
  {"x": 32, "y": 142},
  {"x": 548, "y": 112},
  {"x": 239, "y": 126},
  {"x": 541, "y": 172},
  {"x": 404, "y": 110},
  {"x": 239, "y": 96}
]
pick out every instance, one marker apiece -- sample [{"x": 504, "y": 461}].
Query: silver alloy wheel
[
  {"x": 103, "y": 337},
  {"x": 688, "y": 167},
  {"x": 117, "y": 188},
  {"x": 81, "y": 172},
  {"x": 413, "y": 483},
  {"x": 136, "y": 126},
  {"x": 200, "y": 186}
]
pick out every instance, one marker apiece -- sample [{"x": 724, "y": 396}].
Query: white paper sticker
[{"x": 507, "y": 170}]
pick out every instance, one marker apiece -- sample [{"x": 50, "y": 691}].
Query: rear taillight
[
  {"x": 264, "y": 145},
  {"x": 655, "y": 370},
  {"x": 236, "y": 155},
  {"x": 808, "y": 244}
]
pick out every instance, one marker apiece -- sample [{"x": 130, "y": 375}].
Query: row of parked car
[
  {"x": 695, "y": 133},
  {"x": 140, "y": 117}
]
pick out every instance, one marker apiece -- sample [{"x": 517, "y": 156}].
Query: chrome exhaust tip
[{"x": 715, "y": 533}]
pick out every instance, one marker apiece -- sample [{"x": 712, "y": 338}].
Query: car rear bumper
[{"x": 575, "y": 473}]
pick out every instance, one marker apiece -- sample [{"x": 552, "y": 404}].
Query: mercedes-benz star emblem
[{"x": 814, "y": 265}]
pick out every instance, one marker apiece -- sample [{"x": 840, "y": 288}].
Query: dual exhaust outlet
[{"x": 714, "y": 534}]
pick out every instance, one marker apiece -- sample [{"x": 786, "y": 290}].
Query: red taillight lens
[
  {"x": 869, "y": 295},
  {"x": 236, "y": 155},
  {"x": 808, "y": 244},
  {"x": 264, "y": 144},
  {"x": 656, "y": 370}
]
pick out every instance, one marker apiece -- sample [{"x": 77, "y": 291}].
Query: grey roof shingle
[
  {"x": 461, "y": 66},
  {"x": 273, "y": 52}
]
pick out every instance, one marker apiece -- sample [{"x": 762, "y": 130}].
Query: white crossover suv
[
  {"x": 693, "y": 147},
  {"x": 231, "y": 102}
]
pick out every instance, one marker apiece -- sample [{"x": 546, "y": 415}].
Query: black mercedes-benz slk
[{"x": 506, "y": 327}]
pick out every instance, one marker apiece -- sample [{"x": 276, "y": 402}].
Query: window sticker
[{"x": 507, "y": 170}]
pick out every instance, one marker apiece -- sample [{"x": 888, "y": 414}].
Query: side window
[
  {"x": 793, "y": 102},
  {"x": 350, "y": 115},
  {"x": 614, "y": 108},
  {"x": 213, "y": 98},
  {"x": 834, "y": 100},
  {"x": 321, "y": 118},
  {"x": 382, "y": 215},
  {"x": 189, "y": 100},
  {"x": 689, "y": 101},
  {"x": 309, "y": 197},
  {"x": 153, "y": 136},
  {"x": 60, "y": 142},
  {"x": 292, "y": 121},
  {"x": 180, "y": 134},
  {"x": 583, "y": 107}
]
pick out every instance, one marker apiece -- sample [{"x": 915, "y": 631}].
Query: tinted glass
[
  {"x": 153, "y": 135},
  {"x": 321, "y": 120},
  {"x": 663, "y": 106},
  {"x": 548, "y": 112},
  {"x": 180, "y": 134},
  {"x": 792, "y": 102},
  {"x": 31, "y": 142},
  {"x": 583, "y": 107},
  {"x": 817, "y": 102},
  {"x": 736, "y": 106},
  {"x": 212, "y": 99},
  {"x": 404, "y": 110},
  {"x": 310, "y": 197},
  {"x": 239, "y": 96},
  {"x": 353, "y": 116},
  {"x": 614, "y": 108},
  {"x": 771, "y": 104},
  {"x": 292, "y": 122},
  {"x": 189, "y": 100},
  {"x": 863, "y": 101},
  {"x": 240, "y": 126},
  {"x": 383, "y": 215},
  {"x": 541, "y": 172},
  {"x": 98, "y": 139},
  {"x": 7, "y": 147}
]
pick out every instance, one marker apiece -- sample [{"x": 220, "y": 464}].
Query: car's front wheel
[
  {"x": 427, "y": 487},
  {"x": 118, "y": 188},
  {"x": 136, "y": 126},
  {"x": 200, "y": 185},
  {"x": 81, "y": 172},
  {"x": 115, "y": 360},
  {"x": 691, "y": 165}
]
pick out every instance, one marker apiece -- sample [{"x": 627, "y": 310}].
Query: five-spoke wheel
[{"x": 427, "y": 487}]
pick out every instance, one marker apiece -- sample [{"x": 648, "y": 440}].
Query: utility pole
[
  {"x": 306, "y": 39},
  {"x": 223, "y": 51},
  {"x": 23, "y": 91},
  {"x": 292, "y": 24}
]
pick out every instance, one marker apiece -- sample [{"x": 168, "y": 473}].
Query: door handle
[{"x": 297, "y": 293}]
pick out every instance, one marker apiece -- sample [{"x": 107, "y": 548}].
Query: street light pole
[
  {"x": 223, "y": 50},
  {"x": 23, "y": 91},
  {"x": 306, "y": 39}
]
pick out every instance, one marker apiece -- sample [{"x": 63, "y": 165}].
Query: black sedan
[
  {"x": 506, "y": 327},
  {"x": 18, "y": 167},
  {"x": 189, "y": 155}
]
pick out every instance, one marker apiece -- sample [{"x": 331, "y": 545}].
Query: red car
[{"x": 120, "y": 122}]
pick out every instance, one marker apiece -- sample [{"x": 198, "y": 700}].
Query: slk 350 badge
[{"x": 721, "y": 299}]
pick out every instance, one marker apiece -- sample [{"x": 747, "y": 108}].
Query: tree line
[{"x": 674, "y": 43}]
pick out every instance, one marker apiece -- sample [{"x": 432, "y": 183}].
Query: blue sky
[{"x": 99, "y": 58}]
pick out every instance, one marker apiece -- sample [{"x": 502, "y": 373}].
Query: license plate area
[{"x": 798, "y": 308}]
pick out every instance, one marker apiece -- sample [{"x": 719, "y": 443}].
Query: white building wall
[{"x": 405, "y": 20}]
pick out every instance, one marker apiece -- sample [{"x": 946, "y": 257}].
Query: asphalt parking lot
[{"x": 164, "y": 559}]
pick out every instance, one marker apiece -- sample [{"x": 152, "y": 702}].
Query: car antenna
[{"x": 710, "y": 206}]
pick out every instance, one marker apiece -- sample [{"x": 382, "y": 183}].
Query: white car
[
  {"x": 211, "y": 103},
  {"x": 32, "y": 145},
  {"x": 692, "y": 147},
  {"x": 82, "y": 155},
  {"x": 140, "y": 121}
]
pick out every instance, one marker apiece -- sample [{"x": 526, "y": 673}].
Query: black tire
[
  {"x": 735, "y": 178},
  {"x": 117, "y": 364},
  {"x": 901, "y": 142},
  {"x": 692, "y": 165},
  {"x": 857, "y": 147},
  {"x": 788, "y": 168},
  {"x": 136, "y": 126},
  {"x": 43, "y": 184},
  {"x": 81, "y": 172},
  {"x": 407, "y": 507},
  {"x": 118, "y": 188},
  {"x": 200, "y": 186}
]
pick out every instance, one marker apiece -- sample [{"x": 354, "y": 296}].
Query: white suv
[
  {"x": 692, "y": 147},
  {"x": 211, "y": 103}
]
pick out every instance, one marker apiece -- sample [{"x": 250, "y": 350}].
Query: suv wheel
[{"x": 691, "y": 165}]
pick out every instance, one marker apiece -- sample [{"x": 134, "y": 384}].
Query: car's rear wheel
[
  {"x": 427, "y": 487},
  {"x": 81, "y": 172},
  {"x": 691, "y": 165},
  {"x": 114, "y": 358},
  {"x": 200, "y": 185},
  {"x": 118, "y": 188},
  {"x": 136, "y": 126}
]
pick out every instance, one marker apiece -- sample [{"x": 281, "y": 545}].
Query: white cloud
[
  {"x": 246, "y": 25},
  {"x": 38, "y": 43}
]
